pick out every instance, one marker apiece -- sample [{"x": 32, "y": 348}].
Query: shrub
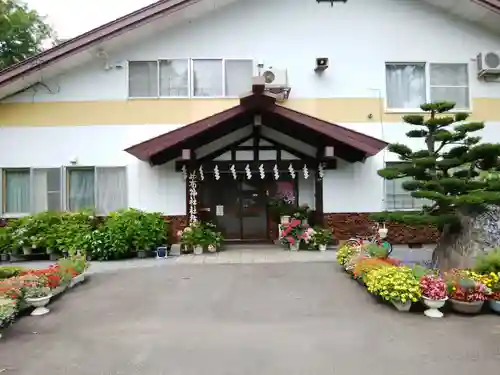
[
  {"x": 488, "y": 263},
  {"x": 376, "y": 251},
  {"x": 8, "y": 311},
  {"x": 10, "y": 271},
  {"x": 392, "y": 283}
]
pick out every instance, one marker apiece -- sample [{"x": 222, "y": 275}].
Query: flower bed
[
  {"x": 23, "y": 286},
  {"x": 402, "y": 285}
]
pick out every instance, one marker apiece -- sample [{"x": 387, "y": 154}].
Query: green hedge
[{"x": 117, "y": 236}]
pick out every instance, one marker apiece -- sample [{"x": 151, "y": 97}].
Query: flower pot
[
  {"x": 175, "y": 250},
  {"x": 494, "y": 305},
  {"x": 141, "y": 254},
  {"x": 473, "y": 307},
  {"x": 4, "y": 257},
  {"x": 77, "y": 280},
  {"x": 27, "y": 250},
  {"x": 54, "y": 257},
  {"x": 294, "y": 246},
  {"x": 322, "y": 247},
  {"x": 212, "y": 248},
  {"x": 382, "y": 232},
  {"x": 198, "y": 250},
  {"x": 285, "y": 219},
  {"x": 39, "y": 305},
  {"x": 433, "y": 305},
  {"x": 400, "y": 306},
  {"x": 161, "y": 252}
]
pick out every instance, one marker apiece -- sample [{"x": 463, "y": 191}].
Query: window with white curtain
[
  {"x": 207, "y": 78},
  {"x": 26, "y": 190},
  {"x": 174, "y": 77},
  {"x": 450, "y": 82},
  {"x": 397, "y": 198},
  {"x": 17, "y": 192},
  {"x": 239, "y": 75},
  {"x": 405, "y": 85},
  {"x": 102, "y": 188},
  {"x": 46, "y": 189},
  {"x": 408, "y": 85},
  {"x": 111, "y": 192},
  {"x": 143, "y": 79}
]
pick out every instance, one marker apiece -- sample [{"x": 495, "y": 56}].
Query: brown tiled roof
[{"x": 256, "y": 102}]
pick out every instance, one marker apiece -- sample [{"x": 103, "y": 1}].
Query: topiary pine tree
[{"x": 449, "y": 173}]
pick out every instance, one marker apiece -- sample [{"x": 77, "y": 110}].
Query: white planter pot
[
  {"x": 382, "y": 232},
  {"x": 434, "y": 306},
  {"x": 212, "y": 248},
  {"x": 294, "y": 247},
  {"x": 27, "y": 250},
  {"x": 198, "y": 250},
  {"x": 322, "y": 247},
  {"x": 403, "y": 307},
  {"x": 39, "y": 305},
  {"x": 285, "y": 219},
  {"x": 77, "y": 280}
]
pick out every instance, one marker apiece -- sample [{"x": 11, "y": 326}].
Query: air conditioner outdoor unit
[
  {"x": 275, "y": 78},
  {"x": 488, "y": 63}
]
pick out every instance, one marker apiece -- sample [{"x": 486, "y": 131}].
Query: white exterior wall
[{"x": 358, "y": 37}]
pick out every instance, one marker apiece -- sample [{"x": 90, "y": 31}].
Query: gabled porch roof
[{"x": 348, "y": 144}]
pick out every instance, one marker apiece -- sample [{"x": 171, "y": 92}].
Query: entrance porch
[{"x": 236, "y": 161}]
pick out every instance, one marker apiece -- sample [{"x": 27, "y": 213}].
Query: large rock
[{"x": 479, "y": 234}]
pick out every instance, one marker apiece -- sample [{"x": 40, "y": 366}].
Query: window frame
[
  {"x": 190, "y": 62},
  {"x": 157, "y": 80},
  {"x": 64, "y": 187},
  {"x": 427, "y": 75},
  {"x": 386, "y": 201}
]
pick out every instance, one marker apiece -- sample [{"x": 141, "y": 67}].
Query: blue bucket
[{"x": 161, "y": 252}]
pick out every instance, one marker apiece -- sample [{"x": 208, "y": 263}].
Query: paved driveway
[{"x": 248, "y": 319}]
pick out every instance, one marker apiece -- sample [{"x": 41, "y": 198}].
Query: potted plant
[
  {"x": 281, "y": 207},
  {"x": 36, "y": 293},
  {"x": 397, "y": 285},
  {"x": 434, "y": 294},
  {"x": 494, "y": 296},
  {"x": 5, "y": 243},
  {"x": 302, "y": 213},
  {"x": 466, "y": 291},
  {"x": 8, "y": 311},
  {"x": 321, "y": 238},
  {"x": 294, "y": 233}
]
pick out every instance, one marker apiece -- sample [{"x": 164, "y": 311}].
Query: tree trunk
[{"x": 478, "y": 235}]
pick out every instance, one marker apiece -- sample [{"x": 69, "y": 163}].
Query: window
[
  {"x": 409, "y": 85},
  {"x": 174, "y": 76},
  {"x": 31, "y": 190},
  {"x": 143, "y": 79},
  {"x": 16, "y": 191},
  {"x": 34, "y": 190},
  {"x": 202, "y": 78},
  {"x": 397, "y": 198},
  {"x": 450, "y": 82},
  {"x": 238, "y": 78},
  {"x": 405, "y": 85},
  {"x": 102, "y": 188},
  {"x": 207, "y": 78},
  {"x": 46, "y": 190}
]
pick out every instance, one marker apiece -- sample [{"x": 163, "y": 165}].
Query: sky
[{"x": 73, "y": 17}]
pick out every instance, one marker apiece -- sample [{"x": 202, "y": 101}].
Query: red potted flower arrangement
[
  {"x": 434, "y": 294},
  {"x": 467, "y": 294},
  {"x": 293, "y": 233}
]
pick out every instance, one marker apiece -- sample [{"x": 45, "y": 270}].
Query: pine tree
[{"x": 449, "y": 173}]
